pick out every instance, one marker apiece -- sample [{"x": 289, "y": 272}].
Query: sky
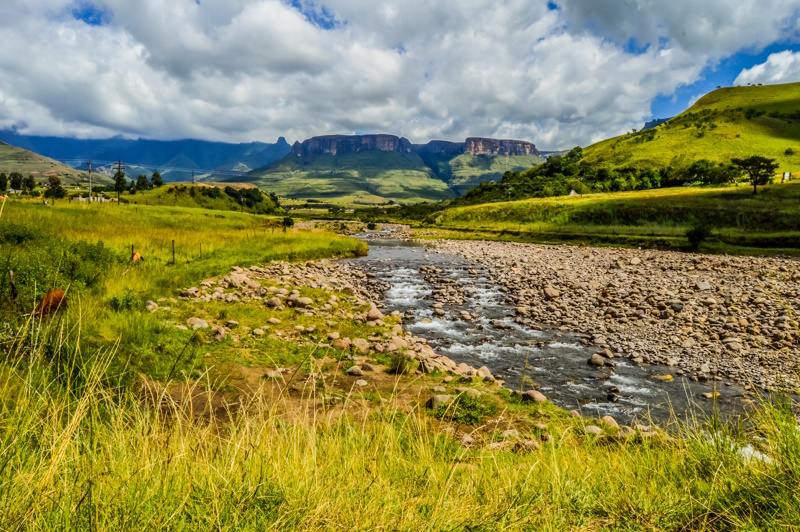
[{"x": 558, "y": 73}]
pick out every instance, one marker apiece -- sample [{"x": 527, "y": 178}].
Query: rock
[
  {"x": 522, "y": 311},
  {"x": 219, "y": 334},
  {"x": 527, "y": 446},
  {"x": 438, "y": 401},
  {"x": 333, "y": 336},
  {"x": 712, "y": 395},
  {"x": 533, "y": 396},
  {"x": 574, "y": 413},
  {"x": 597, "y": 360},
  {"x": 593, "y": 429},
  {"x": 342, "y": 344},
  {"x": 472, "y": 393},
  {"x": 304, "y": 302},
  {"x": 258, "y": 332},
  {"x": 702, "y": 286},
  {"x": 274, "y": 321},
  {"x": 151, "y": 306},
  {"x": 368, "y": 367},
  {"x": 361, "y": 383},
  {"x": 551, "y": 293},
  {"x": 274, "y": 302},
  {"x": 374, "y": 314},
  {"x": 510, "y": 434},
  {"x": 197, "y": 323},
  {"x": 232, "y": 324},
  {"x": 439, "y": 389},
  {"x": 355, "y": 371},
  {"x": 467, "y": 440},
  {"x": 635, "y": 261},
  {"x": 360, "y": 345},
  {"x": 610, "y": 422}
]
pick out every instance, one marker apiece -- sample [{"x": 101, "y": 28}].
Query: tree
[
  {"x": 3, "y": 182},
  {"x": 29, "y": 183},
  {"x": 760, "y": 169},
  {"x": 119, "y": 183},
  {"x": 56, "y": 191},
  {"x": 16, "y": 180},
  {"x": 156, "y": 179},
  {"x": 288, "y": 222},
  {"x": 142, "y": 183}
]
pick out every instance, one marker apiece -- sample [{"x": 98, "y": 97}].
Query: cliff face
[
  {"x": 441, "y": 147},
  {"x": 341, "y": 144},
  {"x": 481, "y": 146}
]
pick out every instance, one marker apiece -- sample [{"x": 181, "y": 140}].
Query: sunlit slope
[{"x": 726, "y": 123}]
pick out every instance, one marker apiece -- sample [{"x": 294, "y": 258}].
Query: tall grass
[{"x": 78, "y": 452}]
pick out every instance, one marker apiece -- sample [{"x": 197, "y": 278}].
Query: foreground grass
[
  {"x": 740, "y": 221},
  {"x": 76, "y": 453}
]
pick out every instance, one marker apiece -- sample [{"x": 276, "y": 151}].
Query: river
[{"x": 552, "y": 361}]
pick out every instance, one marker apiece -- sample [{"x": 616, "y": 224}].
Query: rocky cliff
[
  {"x": 481, "y": 146},
  {"x": 341, "y": 144}
]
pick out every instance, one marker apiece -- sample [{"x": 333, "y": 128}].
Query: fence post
[{"x": 173, "y": 253}]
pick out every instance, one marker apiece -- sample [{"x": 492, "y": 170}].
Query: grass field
[
  {"x": 729, "y": 122},
  {"x": 741, "y": 222},
  {"x": 188, "y": 195}
]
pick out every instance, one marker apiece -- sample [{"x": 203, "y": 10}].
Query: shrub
[
  {"x": 372, "y": 226},
  {"x": 401, "y": 365},
  {"x": 697, "y": 235},
  {"x": 125, "y": 301},
  {"x": 466, "y": 410}
]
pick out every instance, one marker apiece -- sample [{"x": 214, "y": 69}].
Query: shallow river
[{"x": 555, "y": 361}]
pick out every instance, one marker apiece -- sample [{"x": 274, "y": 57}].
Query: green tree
[
  {"x": 3, "y": 182},
  {"x": 288, "y": 222},
  {"x": 55, "y": 191},
  {"x": 142, "y": 183},
  {"x": 156, "y": 180},
  {"x": 16, "y": 180},
  {"x": 760, "y": 169},
  {"x": 29, "y": 183},
  {"x": 119, "y": 183}
]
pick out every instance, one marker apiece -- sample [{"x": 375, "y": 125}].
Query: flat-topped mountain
[
  {"x": 481, "y": 146},
  {"x": 341, "y": 144},
  {"x": 379, "y": 168}
]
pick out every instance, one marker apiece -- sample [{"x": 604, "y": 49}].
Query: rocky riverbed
[{"x": 708, "y": 317}]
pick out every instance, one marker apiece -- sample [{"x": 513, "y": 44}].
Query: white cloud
[
  {"x": 781, "y": 67},
  {"x": 242, "y": 70}
]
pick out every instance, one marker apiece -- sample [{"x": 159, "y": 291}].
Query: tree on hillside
[
  {"x": 760, "y": 169},
  {"x": 119, "y": 183},
  {"x": 3, "y": 182},
  {"x": 142, "y": 183},
  {"x": 156, "y": 179},
  {"x": 29, "y": 183},
  {"x": 55, "y": 191},
  {"x": 16, "y": 180}
]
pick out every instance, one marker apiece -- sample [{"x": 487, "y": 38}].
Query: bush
[
  {"x": 401, "y": 365},
  {"x": 372, "y": 226},
  {"x": 126, "y": 301},
  {"x": 698, "y": 235},
  {"x": 466, "y": 410}
]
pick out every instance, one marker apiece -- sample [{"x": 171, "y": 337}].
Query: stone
[
  {"x": 274, "y": 302},
  {"x": 533, "y": 396},
  {"x": 702, "y": 286},
  {"x": 574, "y": 413},
  {"x": 438, "y": 401},
  {"x": 360, "y": 345},
  {"x": 551, "y": 293},
  {"x": 304, "y": 302},
  {"x": 342, "y": 344},
  {"x": 610, "y": 422},
  {"x": 593, "y": 429},
  {"x": 197, "y": 323},
  {"x": 527, "y": 446},
  {"x": 232, "y": 324},
  {"x": 274, "y": 321},
  {"x": 374, "y": 314},
  {"x": 467, "y": 440},
  {"x": 258, "y": 332},
  {"x": 597, "y": 360},
  {"x": 712, "y": 395},
  {"x": 361, "y": 383},
  {"x": 368, "y": 367},
  {"x": 333, "y": 336}
]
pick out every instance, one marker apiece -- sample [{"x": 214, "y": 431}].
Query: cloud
[
  {"x": 781, "y": 67},
  {"x": 241, "y": 70}
]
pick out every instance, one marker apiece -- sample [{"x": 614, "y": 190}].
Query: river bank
[{"x": 732, "y": 319}]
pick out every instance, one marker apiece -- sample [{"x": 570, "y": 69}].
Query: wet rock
[{"x": 597, "y": 360}]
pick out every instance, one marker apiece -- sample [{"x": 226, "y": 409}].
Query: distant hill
[
  {"x": 175, "y": 160},
  {"x": 13, "y": 159},
  {"x": 654, "y": 123},
  {"x": 726, "y": 123},
  {"x": 379, "y": 168}
]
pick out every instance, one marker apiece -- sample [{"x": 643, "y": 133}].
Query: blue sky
[{"x": 558, "y": 73}]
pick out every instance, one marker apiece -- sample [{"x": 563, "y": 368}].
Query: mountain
[
  {"x": 14, "y": 159},
  {"x": 654, "y": 123},
  {"x": 380, "y": 168},
  {"x": 174, "y": 159},
  {"x": 726, "y": 123}
]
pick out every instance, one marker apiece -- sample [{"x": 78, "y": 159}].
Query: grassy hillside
[
  {"x": 13, "y": 159},
  {"x": 468, "y": 171},
  {"x": 363, "y": 176},
  {"x": 204, "y": 196},
  {"x": 726, "y": 123},
  {"x": 739, "y": 221}
]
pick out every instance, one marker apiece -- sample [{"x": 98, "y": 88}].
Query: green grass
[
  {"x": 740, "y": 220},
  {"x": 187, "y": 195},
  {"x": 715, "y": 128},
  {"x": 13, "y": 159},
  {"x": 470, "y": 170}
]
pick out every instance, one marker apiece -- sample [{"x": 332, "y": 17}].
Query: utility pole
[
  {"x": 193, "y": 181},
  {"x": 90, "y": 181},
  {"x": 119, "y": 172}
]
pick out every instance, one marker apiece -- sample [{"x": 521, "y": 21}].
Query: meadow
[
  {"x": 102, "y": 425},
  {"x": 738, "y": 221}
]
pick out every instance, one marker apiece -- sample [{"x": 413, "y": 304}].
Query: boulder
[
  {"x": 439, "y": 400},
  {"x": 304, "y": 302},
  {"x": 274, "y": 302},
  {"x": 533, "y": 396},
  {"x": 597, "y": 360},
  {"x": 374, "y": 314},
  {"x": 593, "y": 429},
  {"x": 551, "y": 293},
  {"x": 355, "y": 371}
]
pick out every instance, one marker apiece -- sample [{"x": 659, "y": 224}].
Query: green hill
[
  {"x": 364, "y": 177},
  {"x": 469, "y": 171},
  {"x": 13, "y": 159},
  {"x": 220, "y": 197},
  {"x": 726, "y": 123}
]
